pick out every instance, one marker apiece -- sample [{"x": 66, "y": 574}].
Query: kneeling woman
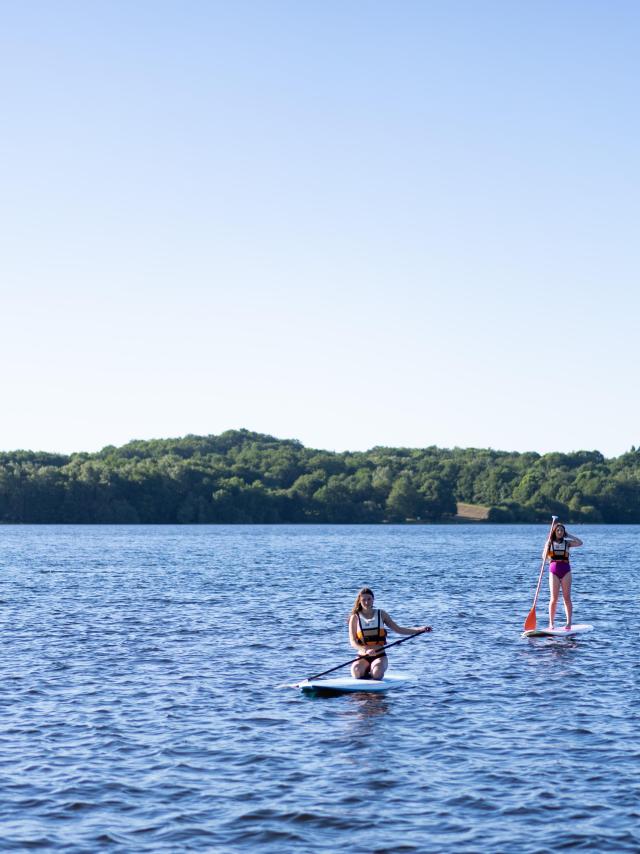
[{"x": 367, "y": 634}]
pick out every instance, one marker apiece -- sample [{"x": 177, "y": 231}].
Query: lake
[{"x": 140, "y": 707}]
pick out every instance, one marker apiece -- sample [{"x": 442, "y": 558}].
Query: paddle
[
  {"x": 353, "y": 660},
  {"x": 530, "y": 622}
]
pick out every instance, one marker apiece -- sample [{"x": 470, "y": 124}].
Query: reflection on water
[
  {"x": 553, "y": 644},
  {"x": 353, "y": 705},
  {"x": 364, "y": 707}
]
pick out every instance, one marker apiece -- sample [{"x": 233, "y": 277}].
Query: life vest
[
  {"x": 371, "y": 632},
  {"x": 559, "y": 550}
]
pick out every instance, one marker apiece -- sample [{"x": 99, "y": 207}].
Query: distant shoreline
[{"x": 242, "y": 477}]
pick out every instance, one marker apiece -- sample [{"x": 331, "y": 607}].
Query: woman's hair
[
  {"x": 555, "y": 528},
  {"x": 357, "y": 605}
]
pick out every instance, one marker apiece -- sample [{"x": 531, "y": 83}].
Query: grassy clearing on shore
[{"x": 471, "y": 512}]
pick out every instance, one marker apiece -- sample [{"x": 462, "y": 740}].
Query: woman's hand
[
  {"x": 422, "y": 629},
  {"x": 372, "y": 650}
]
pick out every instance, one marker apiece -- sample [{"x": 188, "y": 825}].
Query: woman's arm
[
  {"x": 403, "y": 630},
  {"x": 572, "y": 541},
  {"x": 353, "y": 638}
]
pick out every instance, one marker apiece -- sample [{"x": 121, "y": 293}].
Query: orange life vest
[{"x": 373, "y": 632}]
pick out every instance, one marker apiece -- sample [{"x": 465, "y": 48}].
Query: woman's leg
[
  {"x": 566, "y": 595},
  {"x": 359, "y": 669},
  {"x": 554, "y": 590},
  {"x": 378, "y": 667}
]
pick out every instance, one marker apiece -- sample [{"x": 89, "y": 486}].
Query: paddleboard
[
  {"x": 349, "y": 685},
  {"x": 576, "y": 629}
]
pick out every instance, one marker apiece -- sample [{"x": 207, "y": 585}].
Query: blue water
[{"x": 139, "y": 709}]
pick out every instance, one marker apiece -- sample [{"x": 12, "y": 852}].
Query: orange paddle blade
[{"x": 530, "y": 622}]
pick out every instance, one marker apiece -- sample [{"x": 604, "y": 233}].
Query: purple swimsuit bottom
[{"x": 560, "y": 568}]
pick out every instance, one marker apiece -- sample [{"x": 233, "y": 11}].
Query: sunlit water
[{"x": 140, "y": 709}]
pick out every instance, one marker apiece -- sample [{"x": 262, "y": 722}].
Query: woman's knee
[
  {"x": 359, "y": 669},
  {"x": 378, "y": 669}
]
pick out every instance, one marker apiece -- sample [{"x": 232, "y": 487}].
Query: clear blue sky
[{"x": 350, "y": 223}]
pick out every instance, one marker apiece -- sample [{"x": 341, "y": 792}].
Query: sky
[{"x": 347, "y": 222}]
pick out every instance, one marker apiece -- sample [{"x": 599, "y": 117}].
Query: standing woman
[
  {"x": 560, "y": 570},
  {"x": 367, "y": 634}
]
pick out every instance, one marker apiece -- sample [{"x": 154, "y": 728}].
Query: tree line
[{"x": 245, "y": 477}]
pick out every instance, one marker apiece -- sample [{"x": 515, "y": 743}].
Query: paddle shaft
[
  {"x": 379, "y": 654},
  {"x": 554, "y": 519}
]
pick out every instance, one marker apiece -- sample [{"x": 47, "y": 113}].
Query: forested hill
[{"x": 241, "y": 476}]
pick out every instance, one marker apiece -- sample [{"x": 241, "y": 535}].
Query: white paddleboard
[
  {"x": 349, "y": 685},
  {"x": 576, "y": 629}
]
